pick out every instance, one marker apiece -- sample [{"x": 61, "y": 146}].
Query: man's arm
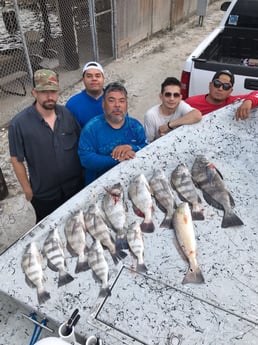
[
  {"x": 190, "y": 118},
  {"x": 21, "y": 174},
  {"x": 251, "y": 101}
]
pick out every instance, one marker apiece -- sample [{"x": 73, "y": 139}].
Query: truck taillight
[{"x": 185, "y": 79}]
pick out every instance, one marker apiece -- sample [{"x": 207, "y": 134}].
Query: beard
[
  {"x": 49, "y": 105},
  {"x": 116, "y": 118}
]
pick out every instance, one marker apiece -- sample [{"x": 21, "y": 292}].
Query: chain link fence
[
  {"x": 58, "y": 34},
  {"x": 64, "y": 34}
]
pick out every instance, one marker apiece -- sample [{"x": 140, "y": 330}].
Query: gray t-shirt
[{"x": 153, "y": 119}]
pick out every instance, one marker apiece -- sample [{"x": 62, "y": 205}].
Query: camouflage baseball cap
[{"x": 46, "y": 80}]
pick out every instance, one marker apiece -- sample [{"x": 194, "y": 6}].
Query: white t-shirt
[{"x": 153, "y": 119}]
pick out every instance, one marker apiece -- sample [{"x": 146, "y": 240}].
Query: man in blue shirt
[
  {"x": 88, "y": 103},
  {"x": 112, "y": 137}
]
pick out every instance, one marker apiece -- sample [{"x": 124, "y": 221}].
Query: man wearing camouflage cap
[{"x": 45, "y": 135}]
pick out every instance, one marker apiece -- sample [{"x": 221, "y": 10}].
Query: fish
[
  {"x": 163, "y": 193},
  {"x": 54, "y": 251},
  {"x": 140, "y": 195},
  {"x": 181, "y": 180},
  {"x": 32, "y": 267},
  {"x": 99, "y": 266},
  {"x": 209, "y": 179},
  {"x": 136, "y": 245},
  {"x": 75, "y": 232},
  {"x": 115, "y": 210},
  {"x": 99, "y": 230},
  {"x": 183, "y": 226}
]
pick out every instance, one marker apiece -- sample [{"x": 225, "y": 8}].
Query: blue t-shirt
[
  {"x": 84, "y": 107},
  {"x": 98, "y": 139}
]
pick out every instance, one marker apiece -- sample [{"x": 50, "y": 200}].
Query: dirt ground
[{"x": 142, "y": 71}]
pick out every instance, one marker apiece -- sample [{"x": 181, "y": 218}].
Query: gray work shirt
[{"x": 51, "y": 155}]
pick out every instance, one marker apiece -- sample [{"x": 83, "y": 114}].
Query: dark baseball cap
[{"x": 227, "y": 72}]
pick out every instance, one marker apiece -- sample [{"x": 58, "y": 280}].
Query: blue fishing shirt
[
  {"x": 98, "y": 139},
  {"x": 84, "y": 107}
]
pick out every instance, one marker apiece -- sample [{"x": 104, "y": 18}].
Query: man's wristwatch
[{"x": 169, "y": 126}]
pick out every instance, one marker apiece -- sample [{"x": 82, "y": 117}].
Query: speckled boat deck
[{"x": 156, "y": 308}]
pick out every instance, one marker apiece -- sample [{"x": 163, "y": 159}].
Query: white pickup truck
[{"x": 233, "y": 45}]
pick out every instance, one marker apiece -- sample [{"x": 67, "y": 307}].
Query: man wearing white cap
[{"x": 88, "y": 103}]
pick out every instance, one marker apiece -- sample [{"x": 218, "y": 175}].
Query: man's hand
[
  {"x": 28, "y": 193},
  {"x": 123, "y": 152},
  {"x": 243, "y": 111},
  {"x": 163, "y": 130}
]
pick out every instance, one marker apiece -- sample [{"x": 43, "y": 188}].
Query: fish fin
[
  {"x": 119, "y": 255},
  {"x": 212, "y": 201},
  {"x": 137, "y": 212},
  {"x": 70, "y": 250},
  {"x": 51, "y": 266},
  {"x": 104, "y": 292},
  {"x": 141, "y": 268},
  {"x": 64, "y": 279},
  {"x": 147, "y": 227},
  {"x": 232, "y": 202},
  {"x": 121, "y": 243},
  {"x": 231, "y": 219},
  {"x": 166, "y": 223},
  {"x": 43, "y": 297},
  {"x": 81, "y": 266},
  {"x": 29, "y": 282},
  {"x": 197, "y": 215},
  {"x": 193, "y": 276}
]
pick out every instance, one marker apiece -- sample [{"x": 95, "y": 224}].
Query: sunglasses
[
  {"x": 170, "y": 94},
  {"x": 217, "y": 83}
]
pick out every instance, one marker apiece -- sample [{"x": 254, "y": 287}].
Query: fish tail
[
  {"x": 119, "y": 255},
  {"x": 147, "y": 227},
  {"x": 82, "y": 266},
  {"x": 193, "y": 276},
  {"x": 230, "y": 219},
  {"x": 121, "y": 243},
  {"x": 197, "y": 215},
  {"x": 43, "y": 296},
  {"x": 105, "y": 292},
  {"x": 166, "y": 223},
  {"x": 64, "y": 279},
  {"x": 141, "y": 268}
]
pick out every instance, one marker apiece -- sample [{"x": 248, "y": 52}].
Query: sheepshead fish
[
  {"x": 99, "y": 266},
  {"x": 140, "y": 194},
  {"x": 135, "y": 241},
  {"x": 163, "y": 194},
  {"x": 115, "y": 210},
  {"x": 54, "y": 251},
  {"x": 32, "y": 267},
  {"x": 99, "y": 230},
  {"x": 76, "y": 240},
  {"x": 210, "y": 181},
  {"x": 183, "y": 225},
  {"x": 182, "y": 181}
]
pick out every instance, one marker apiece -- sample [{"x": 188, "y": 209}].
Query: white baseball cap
[{"x": 92, "y": 64}]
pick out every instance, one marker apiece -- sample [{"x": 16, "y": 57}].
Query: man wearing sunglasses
[
  {"x": 171, "y": 113},
  {"x": 220, "y": 89}
]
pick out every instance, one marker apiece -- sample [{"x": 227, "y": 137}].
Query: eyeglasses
[
  {"x": 170, "y": 94},
  {"x": 217, "y": 83}
]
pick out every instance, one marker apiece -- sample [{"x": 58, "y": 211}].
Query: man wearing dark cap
[
  {"x": 46, "y": 135},
  {"x": 88, "y": 103},
  {"x": 220, "y": 89}
]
